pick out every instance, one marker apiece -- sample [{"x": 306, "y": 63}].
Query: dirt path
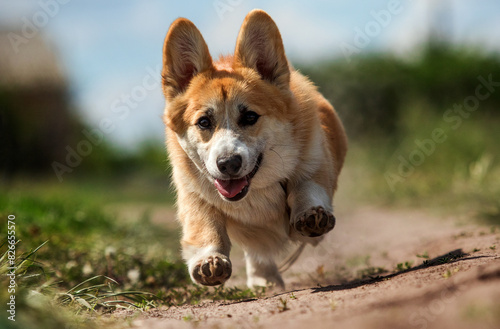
[{"x": 351, "y": 280}]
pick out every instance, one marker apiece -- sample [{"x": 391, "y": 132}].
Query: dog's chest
[{"x": 266, "y": 208}]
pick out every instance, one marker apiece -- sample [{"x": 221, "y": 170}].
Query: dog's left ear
[
  {"x": 185, "y": 54},
  {"x": 259, "y": 46}
]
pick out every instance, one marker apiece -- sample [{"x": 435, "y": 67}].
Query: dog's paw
[
  {"x": 212, "y": 270},
  {"x": 314, "y": 222}
]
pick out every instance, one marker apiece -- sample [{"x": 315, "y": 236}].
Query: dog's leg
[
  {"x": 205, "y": 244},
  {"x": 262, "y": 271},
  {"x": 311, "y": 208}
]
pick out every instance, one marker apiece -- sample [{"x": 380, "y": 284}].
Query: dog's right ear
[{"x": 185, "y": 54}]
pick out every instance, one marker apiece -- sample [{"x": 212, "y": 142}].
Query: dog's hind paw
[
  {"x": 212, "y": 271},
  {"x": 314, "y": 222}
]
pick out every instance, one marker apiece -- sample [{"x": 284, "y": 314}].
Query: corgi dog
[{"x": 256, "y": 151}]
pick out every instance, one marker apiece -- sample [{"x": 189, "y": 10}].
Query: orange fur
[{"x": 303, "y": 153}]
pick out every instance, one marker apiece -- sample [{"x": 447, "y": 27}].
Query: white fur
[
  {"x": 194, "y": 256},
  {"x": 261, "y": 272},
  {"x": 227, "y": 143}
]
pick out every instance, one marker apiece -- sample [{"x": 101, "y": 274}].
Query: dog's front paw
[
  {"x": 212, "y": 270},
  {"x": 314, "y": 222}
]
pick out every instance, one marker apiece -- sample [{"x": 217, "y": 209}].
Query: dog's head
[{"x": 231, "y": 116}]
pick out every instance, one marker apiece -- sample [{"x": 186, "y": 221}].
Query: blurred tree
[
  {"x": 373, "y": 91},
  {"x": 35, "y": 117}
]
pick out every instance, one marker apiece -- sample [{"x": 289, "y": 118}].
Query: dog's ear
[
  {"x": 259, "y": 46},
  {"x": 185, "y": 54}
]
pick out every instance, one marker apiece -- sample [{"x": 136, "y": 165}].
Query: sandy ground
[{"x": 459, "y": 287}]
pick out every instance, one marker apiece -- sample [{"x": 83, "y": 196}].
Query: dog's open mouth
[{"x": 237, "y": 189}]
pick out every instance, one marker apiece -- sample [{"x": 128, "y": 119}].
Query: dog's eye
[
  {"x": 204, "y": 123},
  {"x": 248, "y": 118}
]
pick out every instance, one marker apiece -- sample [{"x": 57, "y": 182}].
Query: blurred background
[
  {"x": 416, "y": 83},
  {"x": 80, "y": 93}
]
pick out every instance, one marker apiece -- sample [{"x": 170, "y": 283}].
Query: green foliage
[
  {"x": 83, "y": 241},
  {"x": 91, "y": 261},
  {"x": 460, "y": 173},
  {"x": 35, "y": 304},
  {"x": 73, "y": 258},
  {"x": 425, "y": 255},
  {"x": 36, "y": 124},
  {"x": 373, "y": 92},
  {"x": 403, "y": 266},
  {"x": 195, "y": 294},
  {"x": 282, "y": 305},
  {"x": 148, "y": 157},
  {"x": 371, "y": 272},
  {"x": 391, "y": 105}
]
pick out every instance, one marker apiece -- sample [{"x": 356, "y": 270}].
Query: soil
[{"x": 353, "y": 280}]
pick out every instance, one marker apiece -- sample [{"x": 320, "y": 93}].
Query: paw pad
[
  {"x": 212, "y": 271},
  {"x": 314, "y": 222}
]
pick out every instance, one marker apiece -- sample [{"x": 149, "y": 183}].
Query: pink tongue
[{"x": 230, "y": 188}]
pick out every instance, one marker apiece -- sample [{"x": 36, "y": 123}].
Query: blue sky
[{"x": 111, "y": 49}]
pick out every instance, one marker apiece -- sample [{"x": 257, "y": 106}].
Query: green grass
[
  {"x": 84, "y": 241},
  {"x": 400, "y": 267},
  {"x": 282, "y": 305},
  {"x": 459, "y": 176},
  {"x": 371, "y": 272},
  {"x": 75, "y": 261},
  {"x": 96, "y": 189}
]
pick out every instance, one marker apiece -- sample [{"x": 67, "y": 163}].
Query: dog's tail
[{"x": 290, "y": 260}]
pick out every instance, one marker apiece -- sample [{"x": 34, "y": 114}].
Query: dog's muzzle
[{"x": 235, "y": 189}]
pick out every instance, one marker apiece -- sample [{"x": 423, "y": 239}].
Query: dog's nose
[{"x": 229, "y": 165}]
